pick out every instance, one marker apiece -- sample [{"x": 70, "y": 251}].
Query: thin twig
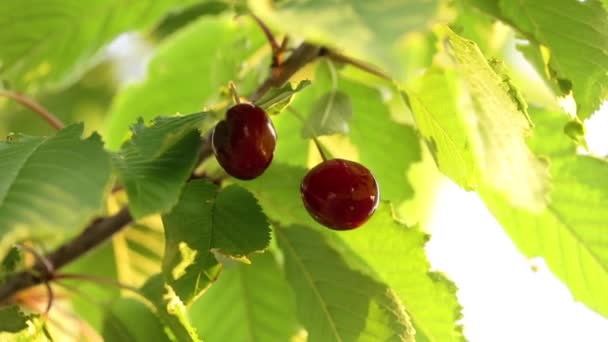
[
  {"x": 269, "y": 35},
  {"x": 338, "y": 57},
  {"x": 33, "y": 105}
]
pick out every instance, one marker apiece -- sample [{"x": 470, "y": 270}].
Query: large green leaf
[
  {"x": 496, "y": 127},
  {"x": 157, "y": 161},
  {"x": 384, "y": 146},
  {"x": 207, "y": 219},
  {"x": 393, "y": 251},
  {"x": 47, "y": 43},
  {"x": 131, "y": 320},
  {"x": 396, "y": 254},
  {"x": 434, "y": 99},
  {"x": 335, "y": 302},
  {"x": 576, "y": 34},
  {"x": 261, "y": 304},
  {"x": 571, "y": 234},
  {"x": 50, "y": 185},
  {"x": 366, "y": 29},
  {"x": 188, "y": 70}
]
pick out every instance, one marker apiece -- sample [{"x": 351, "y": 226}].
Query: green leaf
[
  {"x": 49, "y": 43},
  {"x": 570, "y": 233},
  {"x": 277, "y": 99},
  {"x": 329, "y": 115},
  {"x": 367, "y": 29},
  {"x": 188, "y": 70},
  {"x": 170, "y": 308},
  {"x": 261, "y": 304},
  {"x": 12, "y": 319},
  {"x": 155, "y": 164},
  {"x": 335, "y": 302},
  {"x": 131, "y": 320},
  {"x": 50, "y": 185},
  {"x": 396, "y": 255},
  {"x": 386, "y": 147},
  {"x": 278, "y": 192},
  {"x": 578, "y": 44},
  {"x": 434, "y": 99},
  {"x": 496, "y": 128},
  {"x": 228, "y": 221}
]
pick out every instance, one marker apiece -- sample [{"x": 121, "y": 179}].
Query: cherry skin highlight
[
  {"x": 340, "y": 194},
  {"x": 244, "y": 142}
]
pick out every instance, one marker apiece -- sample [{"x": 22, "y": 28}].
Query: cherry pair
[{"x": 338, "y": 193}]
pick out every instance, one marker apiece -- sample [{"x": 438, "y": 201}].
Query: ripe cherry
[
  {"x": 244, "y": 142},
  {"x": 340, "y": 194}
]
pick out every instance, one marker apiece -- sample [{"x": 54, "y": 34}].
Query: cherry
[
  {"x": 244, "y": 142},
  {"x": 340, "y": 194}
]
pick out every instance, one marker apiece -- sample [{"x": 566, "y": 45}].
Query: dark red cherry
[
  {"x": 244, "y": 141},
  {"x": 340, "y": 194}
]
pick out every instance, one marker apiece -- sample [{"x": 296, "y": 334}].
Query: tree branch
[
  {"x": 33, "y": 105},
  {"x": 102, "y": 229},
  {"x": 97, "y": 232},
  {"x": 302, "y": 55}
]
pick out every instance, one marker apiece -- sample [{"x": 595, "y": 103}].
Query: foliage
[{"x": 389, "y": 83}]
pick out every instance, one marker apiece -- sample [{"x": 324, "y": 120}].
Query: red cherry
[
  {"x": 340, "y": 194},
  {"x": 244, "y": 142}
]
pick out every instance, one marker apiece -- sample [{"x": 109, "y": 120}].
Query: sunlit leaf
[
  {"x": 575, "y": 35},
  {"x": 434, "y": 100},
  {"x": 570, "y": 234},
  {"x": 497, "y": 126},
  {"x": 429, "y": 297}
]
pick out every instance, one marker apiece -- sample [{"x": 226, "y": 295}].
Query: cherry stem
[
  {"x": 34, "y": 106},
  {"x": 311, "y": 131},
  {"x": 318, "y": 145},
  {"x": 234, "y": 92},
  {"x": 96, "y": 280}
]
